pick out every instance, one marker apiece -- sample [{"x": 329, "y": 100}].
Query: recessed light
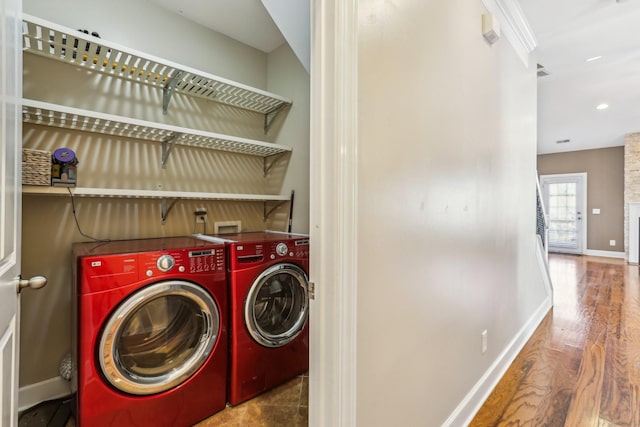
[
  {"x": 602, "y": 106},
  {"x": 594, "y": 58}
]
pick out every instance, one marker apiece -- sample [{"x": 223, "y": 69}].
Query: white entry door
[
  {"x": 566, "y": 203},
  {"x": 10, "y": 203}
]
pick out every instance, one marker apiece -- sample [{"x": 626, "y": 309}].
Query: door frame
[
  {"x": 11, "y": 205},
  {"x": 333, "y": 226},
  {"x": 582, "y": 179}
]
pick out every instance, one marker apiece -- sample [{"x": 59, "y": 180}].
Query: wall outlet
[
  {"x": 484, "y": 341},
  {"x": 612, "y": 242},
  {"x": 595, "y": 211},
  {"x": 201, "y": 215}
]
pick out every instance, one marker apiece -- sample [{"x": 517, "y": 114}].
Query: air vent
[
  {"x": 541, "y": 71},
  {"x": 563, "y": 141}
]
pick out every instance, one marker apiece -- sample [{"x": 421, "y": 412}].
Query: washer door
[
  {"x": 275, "y": 311},
  {"x": 158, "y": 337}
]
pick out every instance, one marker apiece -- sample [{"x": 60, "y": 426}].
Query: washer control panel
[
  {"x": 188, "y": 261},
  {"x": 107, "y": 266}
]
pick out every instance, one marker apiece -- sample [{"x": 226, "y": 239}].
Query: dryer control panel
[
  {"x": 292, "y": 249},
  {"x": 248, "y": 254}
]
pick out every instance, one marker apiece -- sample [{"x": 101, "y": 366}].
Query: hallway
[{"x": 582, "y": 365}]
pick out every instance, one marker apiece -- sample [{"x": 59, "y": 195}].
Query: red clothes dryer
[
  {"x": 269, "y": 303},
  {"x": 150, "y": 332}
]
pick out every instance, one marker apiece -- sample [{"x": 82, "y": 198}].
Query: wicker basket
[{"x": 36, "y": 167}]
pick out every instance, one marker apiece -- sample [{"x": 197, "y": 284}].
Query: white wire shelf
[
  {"x": 168, "y": 198},
  {"x": 74, "y": 47},
  {"x": 42, "y": 113},
  {"x": 148, "y": 194}
]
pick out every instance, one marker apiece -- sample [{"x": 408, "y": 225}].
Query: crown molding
[{"x": 514, "y": 26}]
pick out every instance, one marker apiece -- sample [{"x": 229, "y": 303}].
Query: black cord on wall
[{"x": 75, "y": 217}]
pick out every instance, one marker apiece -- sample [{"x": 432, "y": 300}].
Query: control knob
[
  {"x": 281, "y": 249},
  {"x": 165, "y": 263}
]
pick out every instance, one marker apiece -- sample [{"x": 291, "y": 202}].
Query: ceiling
[
  {"x": 567, "y": 32},
  {"x": 244, "y": 20}
]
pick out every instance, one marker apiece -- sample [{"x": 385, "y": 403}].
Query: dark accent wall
[{"x": 605, "y": 191}]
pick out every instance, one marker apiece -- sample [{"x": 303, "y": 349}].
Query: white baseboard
[
  {"x": 474, "y": 400},
  {"x": 32, "y": 394},
  {"x": 608, "y": 254}
]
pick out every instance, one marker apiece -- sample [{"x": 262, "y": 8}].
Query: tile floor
[{"x": 284, "y": 406}]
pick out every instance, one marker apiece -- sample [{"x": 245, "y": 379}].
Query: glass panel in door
[{"x": 563, "y": 225}]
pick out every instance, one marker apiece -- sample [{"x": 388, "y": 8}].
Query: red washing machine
[
  {"x": 150, "y": 332},
  {"x": 269, "y": 303}
]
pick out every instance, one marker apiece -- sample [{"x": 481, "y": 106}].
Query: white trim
[
  {"x": 474, "y": 400},
  {"x": 211, "y": 238},
  {"x": 633, "y": 212},
  {"x": 545, "y": 217},
  {"x": 514, "y": 25},
  {"x": 608, "y": 254},
  {"x": 286, "y": 233},
  {"x": 32, "y": 394},
  {"x": 333, "y": 213},
  {"x": 543, "y": 265}
]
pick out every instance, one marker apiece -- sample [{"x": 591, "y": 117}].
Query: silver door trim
[
  {"x": 126, "y": 381},
  {"x": 258, "y": 334}
]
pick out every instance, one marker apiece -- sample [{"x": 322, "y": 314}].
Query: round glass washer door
[
  {"x": 158, "y": 337},
  {"x": 277, "y": 305}
]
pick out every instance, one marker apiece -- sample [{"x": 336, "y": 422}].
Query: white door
[
  {"x": 566, "y": 203},
  {"x": 10, "y": 204}
]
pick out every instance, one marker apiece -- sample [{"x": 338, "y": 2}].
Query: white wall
[
  {"x": 444, "y": 204},
  {"x": 293, "y": 21},
  {"x": 446, "y": 207},
  {"x": 287, "y": 77}
]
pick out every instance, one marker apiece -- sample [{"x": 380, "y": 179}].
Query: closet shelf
[
  {"x": 74, "y": 47},
  {"x": 42, "y": 113},
  {"x": 148, "y": 194},
  {"x": 163, "y": 196}
]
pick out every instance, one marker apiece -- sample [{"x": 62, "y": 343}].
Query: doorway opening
[{"x": 566, "y": 202}]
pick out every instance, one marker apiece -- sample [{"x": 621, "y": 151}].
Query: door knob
[{"x": 36, "y": 282}]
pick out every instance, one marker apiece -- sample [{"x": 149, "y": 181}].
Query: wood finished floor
[{"x": 582, "y": 365}]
